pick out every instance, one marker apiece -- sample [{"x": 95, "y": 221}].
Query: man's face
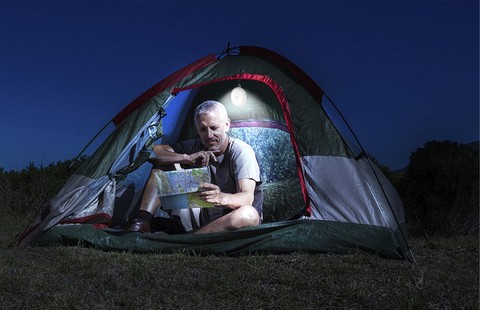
[{"x": 212, "y": 129}]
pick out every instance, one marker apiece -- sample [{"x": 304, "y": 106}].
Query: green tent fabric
[
  {"x": 281, "y": 237},
  {"x": 321, "y": 192}
]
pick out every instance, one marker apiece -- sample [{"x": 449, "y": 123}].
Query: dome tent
[{"x": 322, "y": 194}]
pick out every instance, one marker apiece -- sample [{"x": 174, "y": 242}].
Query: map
[{"x": 178, "y": 189}]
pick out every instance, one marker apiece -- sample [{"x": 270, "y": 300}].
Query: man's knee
[{"x": 246, "y": 216}]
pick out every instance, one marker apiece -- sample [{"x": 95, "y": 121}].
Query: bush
[
  {"x": 440, "y": 189},
  {"x": 24, "y": 192}
]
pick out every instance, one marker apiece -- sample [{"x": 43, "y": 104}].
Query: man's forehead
[
  {"x": 207, "y": 120},
  {"x": 213, "y": 116}
]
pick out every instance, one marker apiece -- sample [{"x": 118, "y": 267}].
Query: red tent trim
[
  {"x": 278, "y": 60},
  {"x": 161, "y": 86},
  {"x": 286, "y": 66},
  {"x": 99, "y": 218}
]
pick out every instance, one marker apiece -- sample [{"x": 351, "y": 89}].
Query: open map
[{"x": 178, "y": 189}]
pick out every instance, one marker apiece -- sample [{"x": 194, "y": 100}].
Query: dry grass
[{"x": 445, "y": 277}]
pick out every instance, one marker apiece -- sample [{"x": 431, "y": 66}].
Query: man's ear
[{"x": 228, "y": 125}]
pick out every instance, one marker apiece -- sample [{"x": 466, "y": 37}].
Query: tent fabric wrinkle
[
  {"x": 149, "y": 133},
  {"x": 78, "y": 195}
]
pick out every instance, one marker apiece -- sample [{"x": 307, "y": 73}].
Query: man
[{"x": 236, "y": 187}]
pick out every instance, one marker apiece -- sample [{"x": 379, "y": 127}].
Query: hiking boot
[{"x": 139, "y": 225}]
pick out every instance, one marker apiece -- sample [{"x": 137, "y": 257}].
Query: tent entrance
[{"x": 260, "y": 123}]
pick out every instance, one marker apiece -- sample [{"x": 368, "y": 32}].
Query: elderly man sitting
[{"x": 236, "y": 186}]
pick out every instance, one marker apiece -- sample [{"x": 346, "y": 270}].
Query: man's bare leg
[
  {"x": 244, "y": 216},
  {"x": 150, "y": 200},
  {"x": 148, "y": 205}
]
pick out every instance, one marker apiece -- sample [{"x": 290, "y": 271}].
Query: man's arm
[
  {"x": 166, "y": 156},
  {"x": 244, "y": 197}
]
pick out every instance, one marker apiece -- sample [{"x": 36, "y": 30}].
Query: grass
[{"x": 445, "y": 277}]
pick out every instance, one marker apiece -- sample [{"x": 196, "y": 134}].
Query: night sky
[{"x": 401, "y": 72}]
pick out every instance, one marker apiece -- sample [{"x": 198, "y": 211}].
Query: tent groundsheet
[{"x": 280, "y": 237}]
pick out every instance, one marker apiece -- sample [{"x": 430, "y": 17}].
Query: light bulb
[{"x": 238, "y": 96}]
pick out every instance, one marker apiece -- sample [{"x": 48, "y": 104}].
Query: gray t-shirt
[{"x": 238, "y": 162}]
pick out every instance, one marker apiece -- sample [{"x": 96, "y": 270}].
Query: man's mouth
[{"x": 212, "y": 145}]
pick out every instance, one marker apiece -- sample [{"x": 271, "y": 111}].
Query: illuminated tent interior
[
  {"x": 322, "y": 194},
  {"x": 260, "y": 123}
]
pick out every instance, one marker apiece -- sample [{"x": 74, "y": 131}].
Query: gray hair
[{"x": 210, "y": 106}]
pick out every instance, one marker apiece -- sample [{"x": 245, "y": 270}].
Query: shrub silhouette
[
  {"x": 24, "y": 192},
  {"x": 440, "y": 189}
]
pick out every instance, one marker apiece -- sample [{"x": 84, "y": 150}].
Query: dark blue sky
[{"x": 402, "y": 73}]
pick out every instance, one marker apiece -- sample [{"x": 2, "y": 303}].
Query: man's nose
[{"x": 209, "y": 132}]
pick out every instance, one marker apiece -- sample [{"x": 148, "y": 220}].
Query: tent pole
[
  {"x": 412, "y": 257},
  {"x": 88, "y": 144},
  {"x": 346, "y": 123}
]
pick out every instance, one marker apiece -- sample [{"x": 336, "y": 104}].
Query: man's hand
[
  {"x": 211, "y": 193},
  {"x": 203, "y": 158}
]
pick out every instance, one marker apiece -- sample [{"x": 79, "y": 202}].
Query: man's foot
[{"x": 140, "y": 225}]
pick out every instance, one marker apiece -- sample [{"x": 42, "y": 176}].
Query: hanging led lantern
[{"x": 238, "y": 96}]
